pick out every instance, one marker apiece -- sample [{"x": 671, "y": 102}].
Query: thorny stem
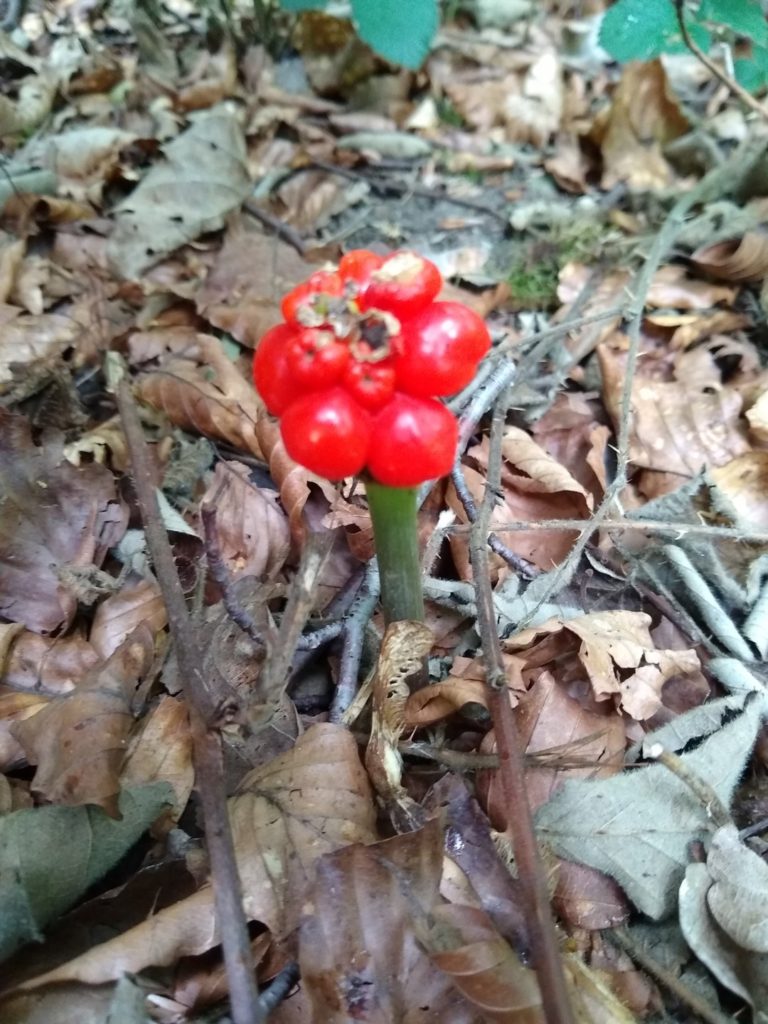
[
  {"x": 205, "y": 712},
  {"x": 546, "y": 954},
  {"x": 393, "y": 513}
]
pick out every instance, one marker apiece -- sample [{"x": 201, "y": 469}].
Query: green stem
[{"x": 393, "y": 511}]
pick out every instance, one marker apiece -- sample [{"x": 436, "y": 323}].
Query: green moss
[{"x": 533, "y": 285}]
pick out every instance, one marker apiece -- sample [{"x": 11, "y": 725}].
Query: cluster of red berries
[{"x": 355, "y": 371}]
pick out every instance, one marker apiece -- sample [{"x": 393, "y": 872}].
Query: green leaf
[
  {"x": 303, "y": 5},
  {"x": 743, "y": 16},
  {"x": 640, "y": 29},
  {"x": 399, "y": 30},
  {"x": 752, "y": 72},
  {"x": 49, "y": 856}
]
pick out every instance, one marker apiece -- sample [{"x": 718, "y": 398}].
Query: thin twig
[
  {"x": 679, "y": 530},
  {"x": 280, "y": 228},
  {"x": 730, "y": 83},
  {"x": 355, "y": 625},
  {"x": 546, "y": 954},
  {"x": 205, "y": 712},
  {"x": 521, "y": 565}
]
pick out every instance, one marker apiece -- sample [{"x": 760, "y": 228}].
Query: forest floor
[{"x": 190, "y": 645}]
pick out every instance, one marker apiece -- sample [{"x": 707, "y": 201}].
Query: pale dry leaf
[
  {"x": 14, "y": 708},
  {"x": 53, "y": 516},
  {"x": 138, "y": 602},
  {"x": 619, "y": 655},
  {"x": 48, "y": 665},
  {"x": 206, "y": 395},
  {"x": 740, "y": 490},
  {"x": 757, "y": 414},
  {"x": 104, "y": 444},
  {"x": 11, "y": 257},
  {"x": 84, "y": 159},
  {"x": 203, "y": 177},
  {"x": 642, "y": 118},
  {"x": 738, "y": 897},
  {"x": 78, "y": 741},
  {"x": 671, "y": 286},
  {"x": 162, "y": 752},
  {"x": 30, "y": 341},
  {"x": 252, "y": 529},
  {"x": 675, "y": 429}
]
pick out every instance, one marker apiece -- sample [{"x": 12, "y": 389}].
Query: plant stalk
[{"x": 393, "y": 512}]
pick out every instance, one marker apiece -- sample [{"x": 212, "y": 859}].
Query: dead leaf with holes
[
  {"x": 79, "y": 741},
  {"x": 202, "y": 179},
  {"x": 53, "y": 516}
]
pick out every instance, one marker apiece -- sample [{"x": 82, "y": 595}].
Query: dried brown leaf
[
  {"x": 619, "y": 656},
  {"x": 741, "y": 487},
  {"x": 50, "y": 665},
  {"x": 162, "y": 752},
  {"x": 676, "y": 428},
  {"x": 14, "y": 708},
  {"x": 241, "y": 294},
  {"x": 735, "y": 259},
  {"x": 53, "y": 516},
  {"x": 137, "y": 603},
  {"x": 307, "y": 802},
  {"x": 78, "y": 742},
  {"x": 642, "y": 118},
  {"x": 252, "y": 529},
  {"x": 208, "y": 396},
  {"x": 360, "y": 958},
  {"x": 464, "y": 944}
]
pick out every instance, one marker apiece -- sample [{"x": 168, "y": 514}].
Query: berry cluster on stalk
[{"x": 356, "y": 371}]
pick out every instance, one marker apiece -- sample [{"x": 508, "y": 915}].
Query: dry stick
[
  {"x": 738, "y": 90},
  {"x": 546, "y": 954},
  {"x": 204, "y": 711},
  {"x": 625, "y": 526}
]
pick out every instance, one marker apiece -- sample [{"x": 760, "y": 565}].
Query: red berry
[
  {"x": 312, "y": 293},
  {"x": 358, "y": 265},
  {"x": 328, "y": 433},
  {"x": 316, "y": 358},
  {"x": 439, "y": 348},
  {"x": 371, "y": 384},
  {"x": 405, "y": 283},
  {"x": 274, "y": 379},
  {"x": 413, "y": 440}
]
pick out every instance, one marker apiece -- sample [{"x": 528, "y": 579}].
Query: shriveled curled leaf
[{"x": 735, "y": 259}]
